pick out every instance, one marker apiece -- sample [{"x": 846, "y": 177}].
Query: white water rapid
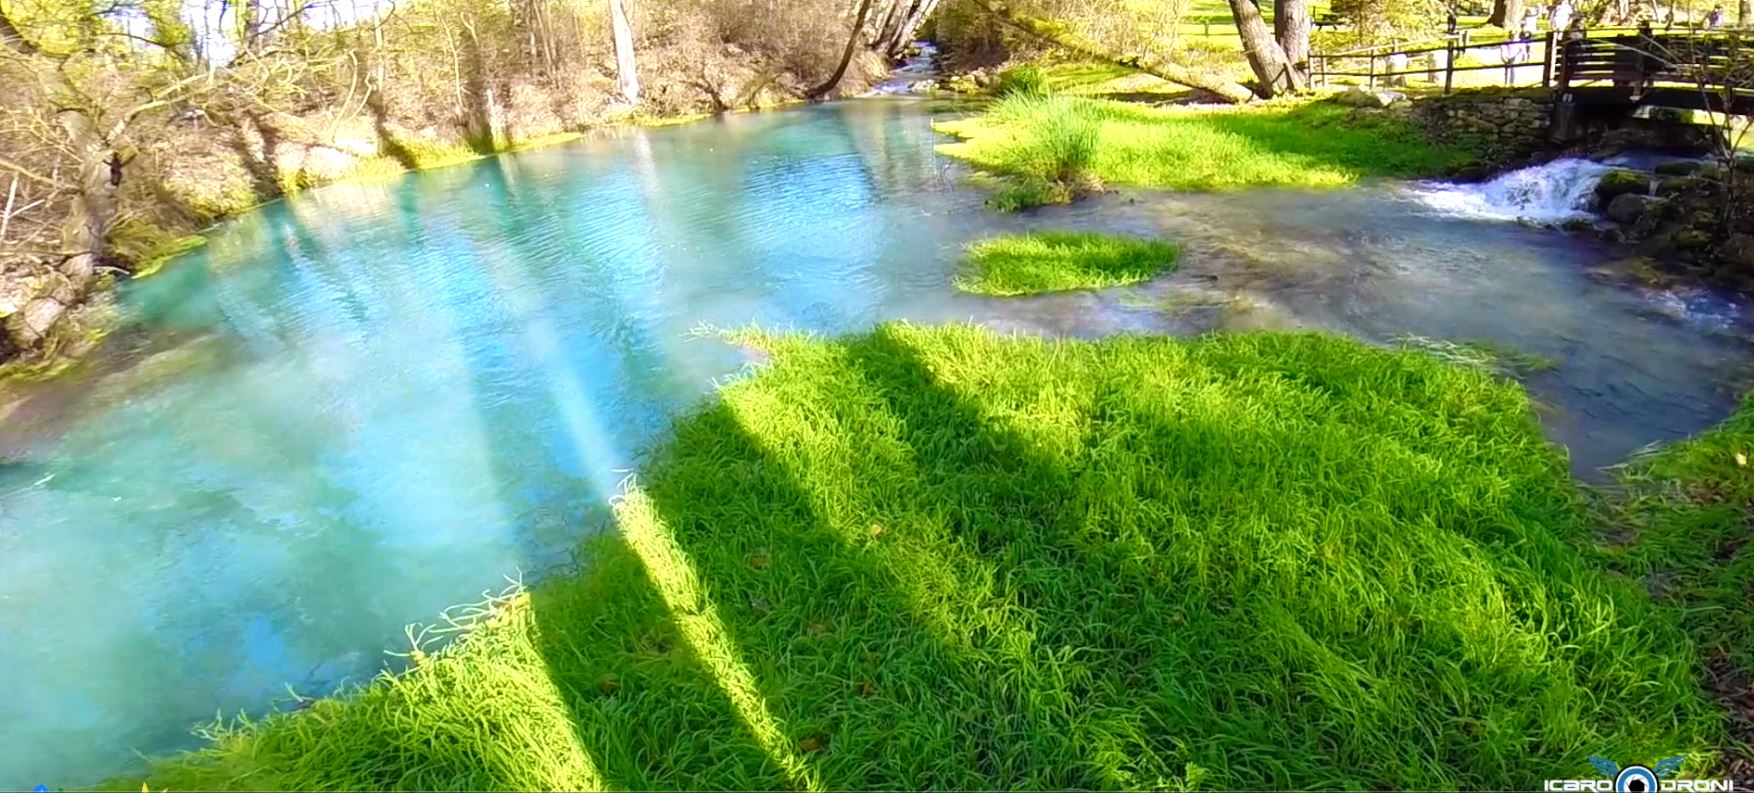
[{"x": 1552, "y": 193}]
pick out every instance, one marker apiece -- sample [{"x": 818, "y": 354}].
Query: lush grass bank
[
  {"x": 1057, "y": 261},
  {"x": 1068, "y": 140},
  {"x": 938, "y": 557},
  {"x": 1682, "y": 528}
]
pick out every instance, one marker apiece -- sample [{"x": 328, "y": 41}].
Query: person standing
[
  {"x": 1560, "y": 17},
  {"x": 1715, "y": 19}
]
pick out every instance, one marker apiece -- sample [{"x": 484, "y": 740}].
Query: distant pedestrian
[
  {"x": 1715, "y": 19},
  {"x": 1560, "y": 17}
]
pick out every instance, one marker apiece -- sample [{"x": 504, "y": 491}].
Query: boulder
[
  {"x": 1680, "y": 185},
  {"x": 1738, "y": 250},
  {"x": 1690, "y": 239},
  {"x": 1629, "y": 207},
  {"x": 1358, "y": 96},
  {"x": 1618, "y": 183},
  {"x": 1682, "y": 168}
]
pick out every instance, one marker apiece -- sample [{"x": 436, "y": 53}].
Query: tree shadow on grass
[
  {"x": 824, "y": 615},
  {"x": 861, "y": 575}
]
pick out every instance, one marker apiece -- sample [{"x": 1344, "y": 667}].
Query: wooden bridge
[{"x": 1615, "y": 70}]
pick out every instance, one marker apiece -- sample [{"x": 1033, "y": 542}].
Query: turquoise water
[{"x": 360, "y": 406}]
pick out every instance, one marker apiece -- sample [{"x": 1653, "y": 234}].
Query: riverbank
[
  {"x": 1051, "y": 148},
  {"x": 1129, "y": 563}
]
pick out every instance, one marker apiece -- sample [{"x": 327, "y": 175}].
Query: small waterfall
[
  {"x": 916, "y": 69},
  {"x": 1552, "y": 193}
]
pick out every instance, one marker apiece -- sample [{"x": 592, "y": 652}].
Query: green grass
[
  {"x": 1682, "y": 529},
  {"x": 1058, "y": 261},
  {"x": 942, "y": 558},
  {"x": 1307, "y": 144}
]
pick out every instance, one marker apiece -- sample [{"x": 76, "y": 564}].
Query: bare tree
[
  {"x": 846, "y": 53},
  {"x": 910, "y": 25},
  {"x": 90, "y": 128},
  {"x": 626, "y": 76}
]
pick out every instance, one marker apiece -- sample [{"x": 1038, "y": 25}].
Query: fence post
[
  {"x": 1449, "y": 64},
  {"x": 1547, "y": 56},
  {"x": 1372, "y": 83}
]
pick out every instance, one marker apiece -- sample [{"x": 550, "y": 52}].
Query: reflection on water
[{"x": 364, "y": 404}]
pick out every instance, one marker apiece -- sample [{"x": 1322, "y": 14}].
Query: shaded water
[{"x": 357, "y": 407}]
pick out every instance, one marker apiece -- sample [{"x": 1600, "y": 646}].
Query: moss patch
[{"x": 1056, "y": 261}]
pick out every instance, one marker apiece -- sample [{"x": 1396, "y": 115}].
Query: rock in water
[
  {"x": 1629, "y": 207},
  {"x": 1619, "y": 183}
]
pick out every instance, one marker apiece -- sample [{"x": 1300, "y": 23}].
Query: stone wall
[{"x": 1505, "y": 125}]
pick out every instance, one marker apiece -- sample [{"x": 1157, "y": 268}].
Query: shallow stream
[{"x": 360, "y": 406}]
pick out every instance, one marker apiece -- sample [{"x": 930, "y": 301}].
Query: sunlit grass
[
  {"x": 1307, "y": 144},
  {"x": 1056, "y": 261},
  {"x": 943, "y": 558},
  {"x": 1682, "y": 528}
]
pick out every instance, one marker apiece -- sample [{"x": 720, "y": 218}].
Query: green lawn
[
  {"x": 940, "y": 557},
  {"x": 1057, "y": 261},
  {"x": 1051, "y": 139}
]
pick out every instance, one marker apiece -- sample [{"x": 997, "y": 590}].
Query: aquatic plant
[
  {"x": 941, "y": 557},
  {"x": 1055, "y": 261},
  {"x": 1480, "y": 353}
]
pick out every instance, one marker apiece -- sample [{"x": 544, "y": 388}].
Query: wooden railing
[{"x": 1619, "y": 57}]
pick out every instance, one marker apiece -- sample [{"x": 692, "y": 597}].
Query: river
[{"x": 372, "y": 401}]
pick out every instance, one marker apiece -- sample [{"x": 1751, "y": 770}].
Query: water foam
[{"x": 1552, "y": 193}]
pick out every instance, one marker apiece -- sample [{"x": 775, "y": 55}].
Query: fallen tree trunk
[{"x": 1156, "y": 67}]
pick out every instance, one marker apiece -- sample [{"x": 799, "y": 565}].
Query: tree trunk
[
  {"x": 1265, "y": 56},
  {"x": 626, "y": 78},
  {"x": 905, "y": 35},
  {"x": 1506, "y": 14},
  {"x": 846, "y": 54},
  {"x": 1745, "y": 13},
  {"x": 85, "y": 237},
  {"x": 1175, "y": 73},
  {"x": 890, "y": 27},
  {"x": 1291, "y": 24}
]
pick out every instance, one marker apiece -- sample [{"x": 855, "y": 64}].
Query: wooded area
[{"x": 125, "y": 124}]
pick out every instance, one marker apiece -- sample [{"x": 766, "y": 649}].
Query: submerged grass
[
  {"x": 1294, "y": 144},
  {"x": 1480, "y": 353},
  {"x": 942, "y": 558},
  {"x": 1057, "y": 261}
]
